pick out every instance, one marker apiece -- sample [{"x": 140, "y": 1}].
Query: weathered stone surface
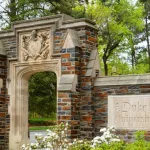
[
  {"x": 71, "y": 39},
  {"x": 123, "y": 80},
  {"x": 129, "y": 112},
  {"x": 2, "y": 51}
]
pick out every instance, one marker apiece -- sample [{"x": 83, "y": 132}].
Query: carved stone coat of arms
[{"x": 35, "y": 45}]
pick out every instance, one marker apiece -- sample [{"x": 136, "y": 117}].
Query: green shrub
[
  {"x": 112, "y": 146},
  {"x": 41, "y": 122},
  {"x": 139, "y": 143},
  {"x": 80, "y": 145}
]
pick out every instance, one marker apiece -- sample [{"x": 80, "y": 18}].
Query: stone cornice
[
  {"x": 59, "y": 22},
  {"x": 123, "y": 80}
]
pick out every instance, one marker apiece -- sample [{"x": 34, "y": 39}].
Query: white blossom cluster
[
  {"x": 56, "y": 140},
  {"x": 107, "y": 137}
]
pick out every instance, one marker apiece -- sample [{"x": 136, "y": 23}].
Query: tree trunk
[
  {"x": 105, "y": 65},
  {"x": 13, "y": 11}
]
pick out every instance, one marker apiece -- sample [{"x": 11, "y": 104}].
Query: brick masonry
[
  {"x": 10, "y": 47},
  {"x": 74, "y": 61},
  {"x": 4, "y": 102}
]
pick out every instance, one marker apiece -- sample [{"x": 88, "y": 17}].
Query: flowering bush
[
  {"x": 56, "y": 140},
  {"x": 80, "y": 145},
  {"x": 107, "y": 137}
]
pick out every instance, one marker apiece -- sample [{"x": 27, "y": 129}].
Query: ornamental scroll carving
[{"x": 35, "y": 45}]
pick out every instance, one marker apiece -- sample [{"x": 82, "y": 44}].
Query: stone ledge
[
  {"x": 68, "y": 82},
  {"x": 123, "y": 80}
]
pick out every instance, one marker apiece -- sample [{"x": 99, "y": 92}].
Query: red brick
[
  {"x": 61, "y": 95},
  {"x": 92, "y": 39},
  {"x": 58, "y": 44},
  {"x": 101, "y": 110},
  {"x": 65, "y": 55},
  {"x": 74, "y": 131},
  {"x": 75, "y": 72},
  {"x": 104, "y": 94},
  {"x": 74, "y": 122},
  {"x": 66, "y": 64},
  {"x": 56, "y": 37},
  {"x": 66, "y": 108},
  {"x": 77, "y": 63},
  {"x": 2, "y": 114},
  {"x": 145, "y": 86},
  {"x": 71, "y": 68},
  {"x": 65, "y": 117},
  {"x": 88, "y": 33},
  {"x": 86, "y": 79},
  {"x": 66, "y": 72},
  {"x": 83, "y": 72},
  {"x": 62, "y": 104},
  {"x": 87, "y": 118},
  {"x": 66, "y": 100},
  {"x": 2, "y": 98}
]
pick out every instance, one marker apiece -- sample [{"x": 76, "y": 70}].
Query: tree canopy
[
  {"x": 42, "y": 94},
  {"x": 124, "y": 27}
]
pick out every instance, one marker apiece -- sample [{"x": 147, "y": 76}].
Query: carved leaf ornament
[{"x": 36, "y": 45}]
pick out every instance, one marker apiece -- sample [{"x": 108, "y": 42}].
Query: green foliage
[
  {"x": 120, "y": 24},
  {"x": 80, "y": 145},
  {"x": 112, "y": 146},
  {"x": 139, "y": 135},
  {"x": 139, "y": 143},
  {"x": 42, "y": 94},
  {"x": 15, "y": 10},
  {"x": 116, "y": 21},
  {"x": 35, "y": 128},
  {"x": 42, "y": 121},
  {"x": 78, "y": 11}
]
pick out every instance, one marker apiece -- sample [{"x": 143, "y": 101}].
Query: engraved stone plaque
[{"x": 129, "y": 111}]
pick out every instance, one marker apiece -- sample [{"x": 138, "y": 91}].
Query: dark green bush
[{"x": 41, "y": 122}]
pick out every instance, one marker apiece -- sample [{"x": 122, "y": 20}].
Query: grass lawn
[
  {"x": 32, "y": 128},
  {"x": 42, "y": 123},
  {"x": 43, "y": 119}
]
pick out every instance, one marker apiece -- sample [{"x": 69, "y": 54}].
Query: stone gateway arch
[{"x": 59, "y": 44}]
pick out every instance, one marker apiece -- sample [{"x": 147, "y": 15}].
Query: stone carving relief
[{"x": 36, "y": 45}]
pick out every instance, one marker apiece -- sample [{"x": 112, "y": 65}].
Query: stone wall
[
  {"x": 4, "y": 102},
  {"x": 117, "y": 85}
]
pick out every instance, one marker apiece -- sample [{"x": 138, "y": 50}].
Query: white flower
[
  {"x": 97, "y": 138},
  {"x": 102, "y": 129},
  {"x": 115, "y": 140},
  {"x": 38, "y": 134},
  {"x": 49, "y": 145},
  {"x": 23, "y": 146}
]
